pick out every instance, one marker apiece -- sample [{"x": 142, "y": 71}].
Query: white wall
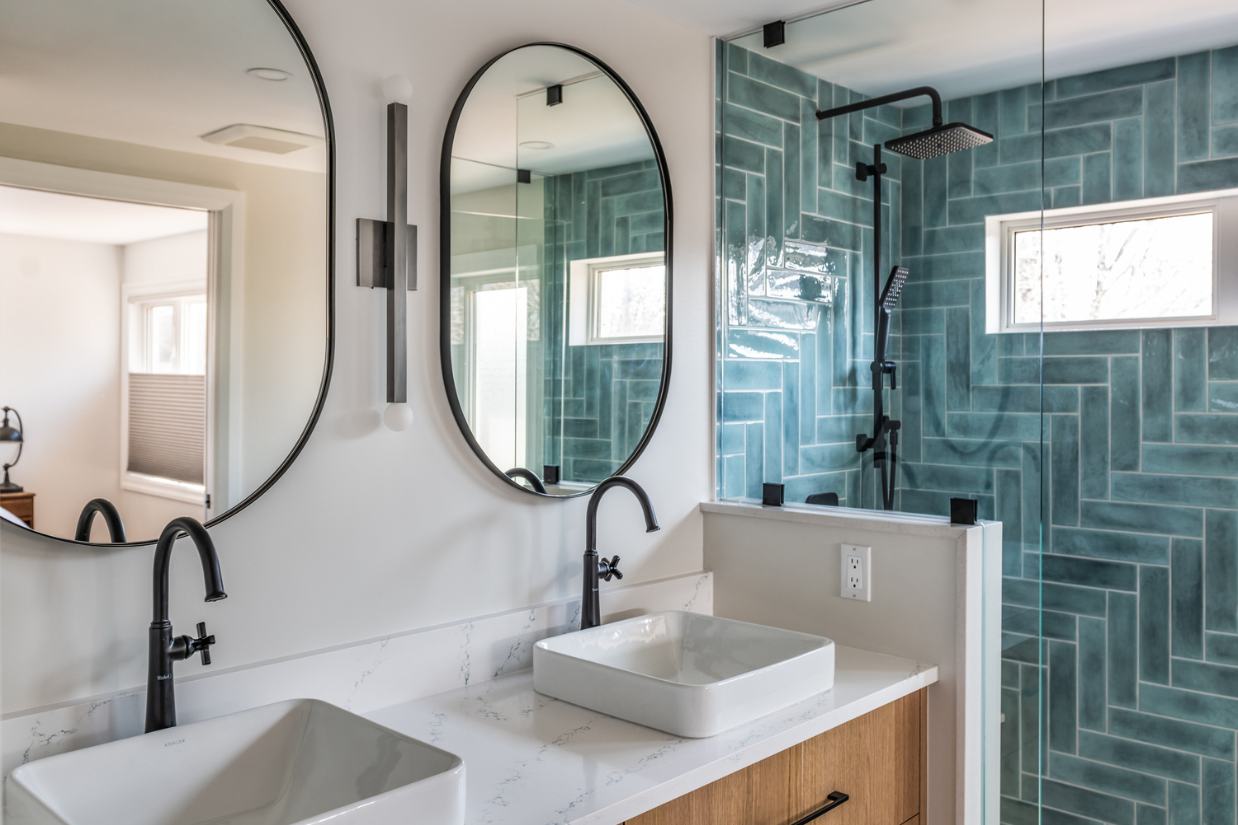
[
  {"x": 373, "y": 531},
  {"x": 936, "y": 594},
  {"x": 58, "y": 293}
]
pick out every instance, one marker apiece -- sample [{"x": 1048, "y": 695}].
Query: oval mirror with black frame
[
  {"x": 166, "y": 195},
  {"x": 556, "y": 270}
]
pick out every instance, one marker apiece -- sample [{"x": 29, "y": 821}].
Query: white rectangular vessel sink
[
  {"x": 684, "y": 673},
  {"x": 292, "y": 763}
]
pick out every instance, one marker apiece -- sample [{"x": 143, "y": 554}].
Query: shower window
[
  {"x": 1127, "y": 265},
  {"x": 618, "y": 299}
]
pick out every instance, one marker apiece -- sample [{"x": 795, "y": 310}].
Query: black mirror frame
[
  {"x": 449, "y": 381},
  {"x": 329, "y": 355}
]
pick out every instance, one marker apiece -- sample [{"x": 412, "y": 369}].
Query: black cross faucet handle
[{"x": 202, "y": 644}]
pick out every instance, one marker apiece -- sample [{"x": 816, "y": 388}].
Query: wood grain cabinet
[
  {"x": 877, "y": 760},
  {"x": 20, "y": 505}
]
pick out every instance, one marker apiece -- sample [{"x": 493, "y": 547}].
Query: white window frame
[
  {"x": 133, "y": 297},
  {"x": 583, "y": 296},
  {"x": 999, "y": 258}
]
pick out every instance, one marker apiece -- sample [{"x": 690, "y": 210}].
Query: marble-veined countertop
[{"x": 533, "y": 760}]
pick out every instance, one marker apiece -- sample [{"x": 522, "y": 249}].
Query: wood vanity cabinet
[{"x": 877, "y": 759}]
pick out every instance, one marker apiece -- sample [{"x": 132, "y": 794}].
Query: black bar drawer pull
[{"x": 832, "y": 801}]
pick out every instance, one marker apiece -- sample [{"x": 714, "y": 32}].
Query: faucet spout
[
  {"x": 211, "y": 575},
  {"x": 111, "y": 517},
  {"x": 596, "y": 569}
]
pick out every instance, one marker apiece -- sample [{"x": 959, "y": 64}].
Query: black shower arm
[{"x": 893, "y": 97}]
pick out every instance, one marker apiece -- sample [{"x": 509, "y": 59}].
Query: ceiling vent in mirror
[{"x": 261, "y": 138}]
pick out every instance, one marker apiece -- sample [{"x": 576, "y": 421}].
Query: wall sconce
[{"x": 387, "y": 254}]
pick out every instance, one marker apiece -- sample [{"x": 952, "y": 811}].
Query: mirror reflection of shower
[{"x": 938, "y": 140}]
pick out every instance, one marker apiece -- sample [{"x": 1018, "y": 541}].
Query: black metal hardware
[
  {"x": 773, "y": 495},
  {"x": 774, "y": 34},
  {"x": 835, "y": 799},
  {"x": 964, "y": 511},
  {"x": 529, "y": 476},
  {"x": 550, "y": 473},
  {"x": 554, "y": 94},
  {"x": 164, "y": 649},
  {"x": 445, "y": 225},
  {"x": 596, "y": 568},
  {"x": 524, "y": 176},
  {"x": 111, "y": 517},
  {"x": 828, "y": 499}
]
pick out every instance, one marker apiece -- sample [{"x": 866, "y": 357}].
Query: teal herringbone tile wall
[
  {"x": 791, "y": 373},
  {"x": 1137, "y": 642},
  {"x": 599, "y": 398}
]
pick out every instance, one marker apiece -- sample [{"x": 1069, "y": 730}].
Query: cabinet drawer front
[{"x": 875, "y": 760}]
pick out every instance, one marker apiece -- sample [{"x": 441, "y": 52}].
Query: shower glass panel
[
  {"x": 860, "y": 359},
  {"x": 1141, "y": 539}
]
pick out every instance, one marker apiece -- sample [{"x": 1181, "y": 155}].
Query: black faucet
[
  {"x": 111, "y": 517},
  {"x": 595, "y": 568},
  {"x": 160, "y": 698},
  {"x": 527, "y": 475}
]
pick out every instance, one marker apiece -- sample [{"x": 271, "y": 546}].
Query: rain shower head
[
  {"x": 894, "y": 288},
  {"x": 943, "y": 139}
]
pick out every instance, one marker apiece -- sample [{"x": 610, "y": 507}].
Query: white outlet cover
[{"x": 856, "y": 573}]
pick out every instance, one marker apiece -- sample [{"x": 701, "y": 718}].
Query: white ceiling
[
  {"x": 156, "y": 73},
  {"x": 40, "y": 214},
  {"x": 595, "y": 126},
  {"x": 967, "y": 46}
]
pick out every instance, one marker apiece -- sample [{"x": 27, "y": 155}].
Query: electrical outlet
[{"x": 857, "y": 573}]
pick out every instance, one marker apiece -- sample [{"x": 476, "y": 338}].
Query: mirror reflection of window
[{"x": 500, "y": 347}]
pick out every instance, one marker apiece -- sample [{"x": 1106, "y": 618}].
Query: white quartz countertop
[{"x": 533, "y": 760}]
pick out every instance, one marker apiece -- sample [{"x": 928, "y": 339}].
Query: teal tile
[
  {"x": 1154, "y": 624},
  {"x": 743, "y": 406},
  {"x": 1207, "y": 678},
  {"x": 1111, "y": 544},
  {"x": 1193, "y": 115},
  {"x": 1208, "y": 175},
  {"x": 1095, "y": 108},
  {"x": 1133, "y": 75},
  {"x": 1225, "y": 141},
  {"x": 994, "y": 425},
  {"x": 1157, "y": 387},
  {"x": 1172, "y": 733},
  {"x": 1094, "y": 442},
  {"x": 1064, "y": 469},
  {"x": 1223, "y": 353},
  {"x": 972, "y": 452},
  {"x": 1223, "y": 397},
  {"x": 1122, "y": 649},
  {"x": 974, "y": 210},
  {"x": 1064, "y": 197},
  {"x": 783, "y": 76},
  {"x": 1207, "y": 429},
  {"x": 1159, "y": 140},
  {"x": 1147, "y": 518},
  {"x": 1225, "y": 85},
  {"x": 1221, "y": 648},
  {"x": 1091, "y": 573},
  {"x": 1098, "y": 178},
  {"x": 1161, "y": 489},
  {"x": 1189, "y": 460},
  {"x": 1217, "y": 791},
  {"x": 1189, "y": 705},
  {"x": 762, "y": 97},
  {"x": 1124, "y": 414},
  {"x": 1221, "y": 571},
  {"x": 1150, "y": 815},
  {"x": 1127, "y": 159},
  {"x": 1092, "y": 706},
  {"x": 751, "y": 375},
  {"x": 1062, "y": 688},
  {"x": 949, "y": 478},
  {"x": 1025, "y": 399},
  {"x": 1076, "y": 370},
  {"x": 751, "y": 126},
  {"x": 1190, "y": 370},
  {"x": 1187, "y": 605},
  {"x": 1106, "y": 778},
  {"x": 1140, "y": 756},
  {"x": 1104, "y": 342},
  {"x": 1183, "y": 804},
  {"x": 744, "y": 155},
  {"x": 958, "y": 359},
  {"x": 1092, "y": 804}
]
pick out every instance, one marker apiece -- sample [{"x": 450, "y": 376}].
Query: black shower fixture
[
  {"x": 774, "y": 34},
  {"x": 940, "y": 139},
  {"x": 554, "y": 94}
]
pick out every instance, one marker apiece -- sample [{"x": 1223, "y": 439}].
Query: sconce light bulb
[
  {"x": 397, "y": 89},
  {"x": 398, "y": 417}
]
